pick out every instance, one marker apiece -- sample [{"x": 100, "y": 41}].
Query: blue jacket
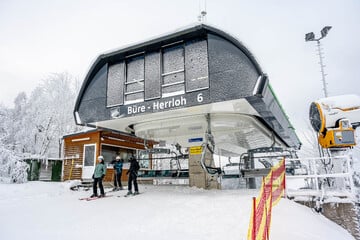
[{"x": 118, "y": 165}]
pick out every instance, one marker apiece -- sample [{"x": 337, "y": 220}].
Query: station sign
[
  {"x": 162, "y": 105},
  {"x": 199, "y": 139},
  {"x": 196, "y": 150}
]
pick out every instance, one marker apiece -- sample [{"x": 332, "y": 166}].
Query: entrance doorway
[{"x": 89, "y": 161}]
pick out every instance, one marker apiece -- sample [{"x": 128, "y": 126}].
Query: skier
[
  {"x": 98, "y": 176},
  {"x": 118, "y": 165},
  {"x": 132, "y": 172}
]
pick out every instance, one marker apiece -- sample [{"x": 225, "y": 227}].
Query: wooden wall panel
[
  {"x": 73, "y": 154},
  {"x": 74, "y": 147}
]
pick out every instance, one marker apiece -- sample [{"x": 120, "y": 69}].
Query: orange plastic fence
[{"x": 272, "y": 189}]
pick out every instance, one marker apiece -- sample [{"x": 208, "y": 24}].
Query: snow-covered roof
[{"x": 341, "y": 101}]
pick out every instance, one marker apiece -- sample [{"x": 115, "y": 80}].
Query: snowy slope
[{"x": 42, "y": 211}]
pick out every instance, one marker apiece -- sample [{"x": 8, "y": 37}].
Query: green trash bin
[
  {"x": 34, "y": 169},
  {"x": 56, "y": 171}
]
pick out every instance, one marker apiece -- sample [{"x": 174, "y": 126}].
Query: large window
[
  {"x": 89, "y": 155},
  {"x": 115, "y": 84},
  {"x": 134, "y": 85},
  {"x": 110, "y": 153},
  {"x": 196, "y": 65},
  {"x": 173, "y": 68}
]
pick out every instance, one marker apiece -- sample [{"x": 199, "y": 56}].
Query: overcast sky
[{"x": 39, "y": 37}]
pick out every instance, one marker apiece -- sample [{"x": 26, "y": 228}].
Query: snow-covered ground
[{"x": 43, "y": 211}]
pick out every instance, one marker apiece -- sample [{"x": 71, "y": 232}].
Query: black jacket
[{"x": 134, "y": 167}]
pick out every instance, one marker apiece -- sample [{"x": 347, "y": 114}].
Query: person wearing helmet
[
  {"x": 98, "y": 176},
  {"x": 118, "y": 165}
]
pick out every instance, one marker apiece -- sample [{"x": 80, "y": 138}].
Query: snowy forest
[{"x": 33, "y": 128}]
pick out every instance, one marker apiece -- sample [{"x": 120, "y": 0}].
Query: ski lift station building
[{"x": 192, "y": 87}]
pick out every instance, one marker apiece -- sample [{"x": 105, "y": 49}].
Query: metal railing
[{"x": 325, "y": 176}]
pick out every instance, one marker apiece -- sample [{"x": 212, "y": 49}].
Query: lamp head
[
  {"x": 325, "y": 31},
  {"x": 309, "y": 36}
]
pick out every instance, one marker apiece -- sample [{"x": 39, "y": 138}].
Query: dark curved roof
[{"x": 192, "y": 31}]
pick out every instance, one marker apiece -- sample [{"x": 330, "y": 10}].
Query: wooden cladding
[{"x": 74, "y": 150}]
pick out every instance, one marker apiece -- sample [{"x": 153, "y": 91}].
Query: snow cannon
[{"x": 335, "y": 120}]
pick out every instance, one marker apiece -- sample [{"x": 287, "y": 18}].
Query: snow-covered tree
[
  {"x": 48, "y": 116},
  {"x": 12, "y": 169},
  {"x": 34, "y": 127},
  {"x": 16, "y": 123}
]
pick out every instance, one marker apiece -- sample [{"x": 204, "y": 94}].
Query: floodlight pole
[
  {"x": 311, "y": 37},
  {"x": 322, "y": 66}
]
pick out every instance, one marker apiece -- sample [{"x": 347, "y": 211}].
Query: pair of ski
[
  {"x": 116, "y": 190},
  {"x": 130, "y": 195},
  {"x": 106, "y": 196},
  {"x": 94, "y": 198}
]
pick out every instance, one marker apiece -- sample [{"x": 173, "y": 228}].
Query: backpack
[{"x": 136, "y": 166}]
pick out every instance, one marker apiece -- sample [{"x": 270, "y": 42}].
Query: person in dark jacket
[
  {"x": 98, "y": 176},
  {"x": 132, "y": 172},
  {"x": 118, "y": 165}
]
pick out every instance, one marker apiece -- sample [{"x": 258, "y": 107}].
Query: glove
[
  {"x": 127, "y": 173},
  {"x": 93, "y": 176},
  {"x": 102, "y": 177}
]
